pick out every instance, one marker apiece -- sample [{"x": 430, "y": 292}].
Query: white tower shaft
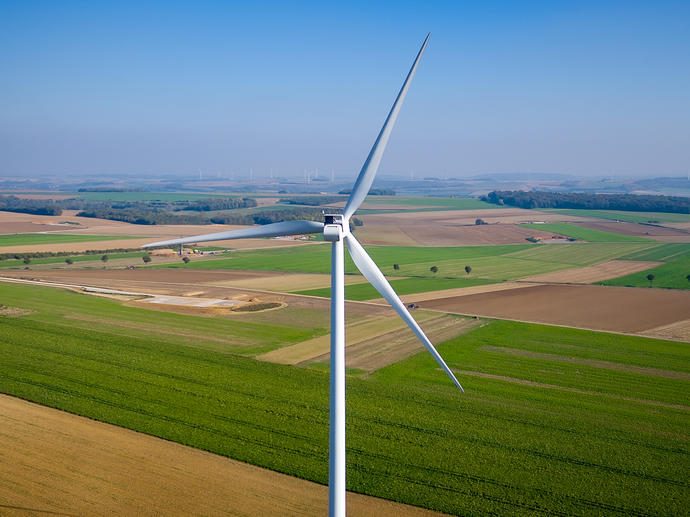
[{"x": 336, "y": 465}]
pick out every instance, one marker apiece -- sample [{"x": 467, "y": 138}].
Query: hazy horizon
[{"x": 576, "y": 89}]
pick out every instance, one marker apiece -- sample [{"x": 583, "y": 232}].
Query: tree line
[{"x": 576, "y": 200}]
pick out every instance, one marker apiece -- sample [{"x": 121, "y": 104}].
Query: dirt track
[
  {"x": 619, "y": 309},
  {"x": 62, "y": 464}
]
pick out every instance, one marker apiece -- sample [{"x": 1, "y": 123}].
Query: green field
[
  {"x": 22, "y": 239},
  {"x": 554, "y": 421},
  {"x": 488, "y": 263},
  {"x": 246, "y": 333},
  {"x": 317, "y": 258},
  {"x": 673, "y": 275},
  {"x": 585, "y": 234},
  {"x": 629, "y": 217},
  {"x": 75, "y": 258},
  {"x": 401, "y": 286},
  {"x": 661, "y": 253}
]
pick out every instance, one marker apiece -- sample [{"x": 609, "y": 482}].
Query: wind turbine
[{"x": 336, "y": 229}]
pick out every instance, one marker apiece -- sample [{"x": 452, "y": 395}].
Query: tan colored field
[
  {"x": 679, "y": 331},
  {"x": 373, "y": 343},
  {"x": 453, "y": 228},
  {"x": 682, "y": 226},
  {"x": 619, "y": 309},
  {"x": 287, "y": 282},
  {"x": 594, "y": 273},
  {"x": 379, "y": 351},
  {"x": 90, "y": 226},
  {"x": 58, "y": 463}
]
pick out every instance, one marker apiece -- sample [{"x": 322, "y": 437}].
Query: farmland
[
  {"x": 554, "y": 421},
  {"x": 672, "y": 275},
  {"x": 366, "y": 291},
  {"x": 585, "y": 234},
  {"x": 20, "y": 239},
  {"x": 74, "y": 258},
  {"x": 630, "y": 217},
  {"x": 488, "y": 263}
]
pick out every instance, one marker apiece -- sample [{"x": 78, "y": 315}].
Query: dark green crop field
[
  {"x": 672, "y": 275},
  {"x": 554, "y": 421},
  {"x": 661, "y": 253},
  {"x": 21, "y": 239}
]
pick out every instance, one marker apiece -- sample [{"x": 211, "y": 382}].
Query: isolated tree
[
  {"x": 396, "y": 267},
  {"x": 479, "y": 222},
  {"x": 468, "y": 269},
  {"x": 185, "y": 260},
  {"x": 69, "y": 261},
  {"x": 146, "y": 259},
  {"x": 433, "y": 269},
  {"x": 104, "y": 258},
  {"x": 688, "y": 278},
  {"x": 651, "y": 278},
  {"x": 27, "y": 260}
]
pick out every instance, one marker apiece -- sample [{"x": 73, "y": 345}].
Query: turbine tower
[{"x": 336, "y": 230}]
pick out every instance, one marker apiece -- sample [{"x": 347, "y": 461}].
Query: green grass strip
[{"x": 20, "y": 239}]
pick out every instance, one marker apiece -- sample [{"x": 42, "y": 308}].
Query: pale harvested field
[
  {"x": 595, "y": 273},
  {"x": 355, "y": 331},
  {"x": 619, "y": 309},
  {"x": 287, "y": 282},
  {"x": 58, "y": 463},
  {"x": 373, "y": 343},
  {"x": 679, "y": 331},
  {"x": 459, "y": 291},
  {"x": 453, "y": 228},
  {"x": 682, "y": 226},
  {"x": 382, "y": 350}
]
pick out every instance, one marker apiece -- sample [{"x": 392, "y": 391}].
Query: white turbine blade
[
  {"x": 371, "y": 165},
  {"x": 267, "y": 230},
  {"x": 372, "y": 273}
]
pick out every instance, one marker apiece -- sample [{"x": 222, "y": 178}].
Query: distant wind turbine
[{"x": 336, "y": 229}]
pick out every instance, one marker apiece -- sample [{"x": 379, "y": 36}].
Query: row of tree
[{"x": 623, "y": 202}]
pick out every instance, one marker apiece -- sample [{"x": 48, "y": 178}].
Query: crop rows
[{"x": 582, "y": 446}]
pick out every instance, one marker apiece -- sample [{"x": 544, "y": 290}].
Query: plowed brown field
[
  {"x": 619, "y": 309},
  {"x": 640, "y": 230},
  {"x": 56, "y": 463},
  {"x": 453, "y": 228}
]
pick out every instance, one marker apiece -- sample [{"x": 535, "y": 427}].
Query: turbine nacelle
[{"x": 335, "y": 228}]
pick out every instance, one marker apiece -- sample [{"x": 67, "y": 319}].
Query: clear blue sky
[{"x": 153, "y": 87}]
